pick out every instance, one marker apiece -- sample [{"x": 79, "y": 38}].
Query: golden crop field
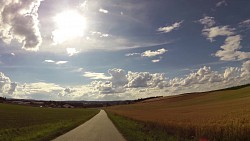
[{"x": 218, "y": 115}]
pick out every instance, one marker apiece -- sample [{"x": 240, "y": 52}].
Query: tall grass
[{"x": 23, "y": 123}]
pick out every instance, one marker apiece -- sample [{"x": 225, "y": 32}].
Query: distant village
[{"x": 69, "y": 104}]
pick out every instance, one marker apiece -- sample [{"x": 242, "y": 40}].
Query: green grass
[
  {"x": 24, "y": 123},
  {"x": 134, "y": 130}
]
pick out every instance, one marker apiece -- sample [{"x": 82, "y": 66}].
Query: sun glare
[{"x": 69, "y": 25}]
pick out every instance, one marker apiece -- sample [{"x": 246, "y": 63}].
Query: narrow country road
[{"x": 98, "y": 128}]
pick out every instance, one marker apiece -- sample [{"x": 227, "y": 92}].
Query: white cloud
[
  {"x": 13, "y": 54},
  {"x": 170, "y": 28},
  {"x": 4, "y": 83},
  {"x": 213, "y": 32},
  {"x": 132, "y": 54},
  {"x": 61, "y": 62},
  {"x": 99, "y": 34},
  {"x": 156, "y": 60},
  {"x": 103, "y": 11},
  {"x": 95, "y": 75},
  {"x": 19, "y": 21},
  {"x": 104, "y": 35},
  {"x": 150, "y": 53},
  {"x": 131, "y": 85},
  {"x": 66, "y": 92},
  {"x": 231, "y": 72},
  {"x": 230, "y": 49},
  {"x": 245, "y": 23},
  {"x": 55, "y": 62},
  {"x": 115, "y": 83},
  {"x": 84, "y": 4},
  {"x": 118, "y": 77},
  {"x": 245, "y": 70},
  {"x": 6, "y": 86},
  {"x": 78, "y": 70},
  {"x": 106, "y": 87},
  {"x": 207, "y": 21},
  {"x": 49, "y": 61},
  {"x": 41, "y": 87},
  {"x": 221, "y": 3},
  {"x": 138, "y": 79},
  {"x": 202, "y": 76},
  {"x": 71, "y": 51}
]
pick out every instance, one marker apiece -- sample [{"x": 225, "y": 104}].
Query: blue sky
[{"x": 116, "y": 49}]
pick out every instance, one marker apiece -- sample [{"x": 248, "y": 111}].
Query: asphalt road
[{"x": 98, "y": 128}]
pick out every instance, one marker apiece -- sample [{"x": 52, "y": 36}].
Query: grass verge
[
  {"x": 23, "y": 123},
  {"x": 134, "y": 130}
]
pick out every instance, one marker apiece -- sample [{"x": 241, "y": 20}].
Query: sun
[{"x": 69, "y": 25}]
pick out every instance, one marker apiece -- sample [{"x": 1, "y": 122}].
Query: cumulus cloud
[
  {"x": 231, "y": 72},
  {"x": 120, "y": 81},
  {"x": 203, "y": 75},
  {"x": 95, "y": 75},
  {"x": 12, "y": 89},
  {"x": 19, "y": 21},
  {"x": 66, "y": 92},
  {"x": 71, "y": 51},
  {"x": 150, "y": 53},
  {"x": 103, "y": 11},
  {"x": 245, "y": 70},
  {"x": 106, "y": 87},
  {"x": 118, "y": 77},
  {"x": 4, "y": 83},
  {"x": 145, "y": 79},
  {"x": 6, "y": 86},
  {"x": 130, "y": 85},
  {"x": 167, "y": 29}
]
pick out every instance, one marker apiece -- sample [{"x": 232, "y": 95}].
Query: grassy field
[
  {"x": 219, "y": 115},
  {"x": 24, "y": 123}
]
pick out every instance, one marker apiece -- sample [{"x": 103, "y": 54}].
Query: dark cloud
[
  {"x": 19, "y": 21},
  {"x": 12, "y": 89}
]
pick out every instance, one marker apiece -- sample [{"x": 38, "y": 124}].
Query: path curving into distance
[{"x": 98, "y": 128}]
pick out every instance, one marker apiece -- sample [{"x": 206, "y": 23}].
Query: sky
[{"x": 122, "y": 49}]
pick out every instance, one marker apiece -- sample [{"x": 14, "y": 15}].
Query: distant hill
[{"x": 193, "y": 94}]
